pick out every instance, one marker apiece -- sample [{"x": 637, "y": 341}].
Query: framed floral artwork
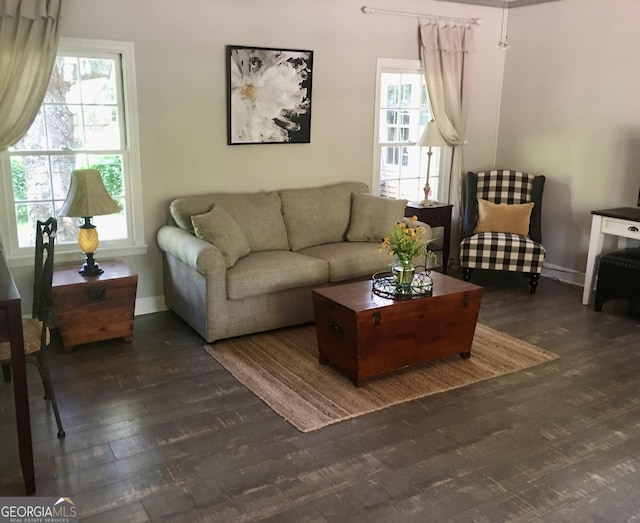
[{"x": 268, "y": 95}]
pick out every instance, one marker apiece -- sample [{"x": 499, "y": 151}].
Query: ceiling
[{"x": 499, "y": 3}]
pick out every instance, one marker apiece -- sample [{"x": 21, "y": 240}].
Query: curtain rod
[{"x": 373, "y": 11}]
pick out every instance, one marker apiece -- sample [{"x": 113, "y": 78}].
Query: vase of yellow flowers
[{"x": 406, "y": 242}]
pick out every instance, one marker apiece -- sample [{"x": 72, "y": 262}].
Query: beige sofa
[{"x": 238, "y": 263}]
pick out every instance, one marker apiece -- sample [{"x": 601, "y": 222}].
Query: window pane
[
  {"x": 64, "y": 79},
  {"x": 19, "y": 181},
  {"x": 409, "y": 188},
  {"x": 392, "y": 96},
  {"x": 34, "y": 170},
  {"x": 64, "y": 126},
  {"x": 101, "y": 127},
  {"x": 112, "y": 226},
  {"x": 392, "y": 117},
  {"x": 424, "y": 116},
  {"x": 35, "y": 139},
  {"x": 424, "y": 98},
  {"x": 406, "y": 94},
  {"x": 390, "y": 154},
  {"x": 61, "y": 167},
  {"x": 27, "y": 214},
  {"x": 110, "y": 167},
  {"x": 98, "y": 85}
]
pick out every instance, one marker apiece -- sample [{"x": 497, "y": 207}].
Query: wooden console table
[
  {"x": 11, "y": 331},
  {"x": 438, "y": 215},
  {"x": 623, "y": 222}
]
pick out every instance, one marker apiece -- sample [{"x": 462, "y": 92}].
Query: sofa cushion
[
  {"x": 502, "y": 217},
  {"x": 259, "y": 215},
  {"x": 274, "y": 271},
  {"x": 218, "y": 227},
  {"x": 318, "y": 215},
  {"x": 348, "y": 260},
  {"x": 373, "y": 217}
]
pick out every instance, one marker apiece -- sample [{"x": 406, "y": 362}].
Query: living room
[
  {"x": 530, "y": 108},
  {"x": 543, "y": 106}
]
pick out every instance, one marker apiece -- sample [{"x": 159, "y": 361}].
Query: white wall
[
  {"x": 180, "y": 59},
  {"x": 571, "y": 111}
]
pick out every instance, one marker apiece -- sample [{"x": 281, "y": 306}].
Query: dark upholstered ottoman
[{"x": 619, "y": 278}]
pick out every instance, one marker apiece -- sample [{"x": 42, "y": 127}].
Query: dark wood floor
[{"x": 157, "y": 430}]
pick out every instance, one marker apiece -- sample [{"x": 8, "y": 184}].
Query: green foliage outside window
[
  {"x": 111, "y": 170},
  {"x": 20, "y": 189}
]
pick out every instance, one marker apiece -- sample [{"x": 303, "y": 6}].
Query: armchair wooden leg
[
  {"x": 466, "y": 273},
  {"x": 533, "y": 281}
]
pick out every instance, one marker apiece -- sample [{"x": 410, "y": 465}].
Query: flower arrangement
[{"x": 408, "y": 240}]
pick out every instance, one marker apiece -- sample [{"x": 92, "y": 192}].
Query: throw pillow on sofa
[
  {"x": 373, "y": 217},
  {"x": 318, "y": 215},
  {"x": 218, "y": 227}
]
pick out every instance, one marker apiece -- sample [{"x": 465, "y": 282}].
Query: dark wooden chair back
[{"x": 43, "y": 269}]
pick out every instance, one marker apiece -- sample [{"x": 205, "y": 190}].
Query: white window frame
[
  {"x": 396, "y": 65},
  {"x": 134, "y": 243}
]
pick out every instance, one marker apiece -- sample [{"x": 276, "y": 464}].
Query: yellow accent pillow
[{"x": 502, "y": 217}]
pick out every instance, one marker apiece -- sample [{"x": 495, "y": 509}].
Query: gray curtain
[
  {"x": 444, "y": 49},
  {"x": 29, "y": 36}
]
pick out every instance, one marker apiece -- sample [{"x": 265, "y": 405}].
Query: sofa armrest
[{"x": 198, "y": 254}]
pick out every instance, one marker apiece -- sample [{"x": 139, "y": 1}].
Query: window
[
  {"x": 87, "y": 120},
  {"x": 402, "y": 111}
]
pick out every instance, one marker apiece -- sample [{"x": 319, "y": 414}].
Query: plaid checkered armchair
[{"x": 505, "y": 246}]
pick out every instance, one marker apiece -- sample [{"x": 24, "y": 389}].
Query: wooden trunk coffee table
[{"x": 365, "y": 335}]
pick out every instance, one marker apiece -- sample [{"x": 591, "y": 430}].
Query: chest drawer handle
[
  {"x": 97, "y": 293},
  {"x": 633, "y": 228},
  {"x": 335, "y": 327}
]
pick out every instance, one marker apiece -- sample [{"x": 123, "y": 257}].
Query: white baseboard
[
  {"x": 150, "y": 305},
  {"x": 563, "y": 274}
]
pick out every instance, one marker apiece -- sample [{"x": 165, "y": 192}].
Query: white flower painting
[{"x": 269, "y": 95}]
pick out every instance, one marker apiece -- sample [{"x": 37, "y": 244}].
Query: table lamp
[
  {"x": 430, "y": 138},
  {"x": 88, "y": 197}
]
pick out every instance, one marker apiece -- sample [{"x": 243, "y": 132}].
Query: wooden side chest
[
  {"x": 94, "y": 308},
  {"x": 365, "y": 335}
]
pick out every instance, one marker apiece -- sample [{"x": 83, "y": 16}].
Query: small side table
[
  {"x": 438, "y": 215},
  {"x": 623, "y": 222},
  {"x": 94, "y": 308}
]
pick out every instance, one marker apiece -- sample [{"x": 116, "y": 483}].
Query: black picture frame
[{"x": 268, "y": 95}]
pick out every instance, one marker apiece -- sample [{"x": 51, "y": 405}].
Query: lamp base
[
  {"x": 90, "y": 267},
  {"x": 427, "y": 202}
]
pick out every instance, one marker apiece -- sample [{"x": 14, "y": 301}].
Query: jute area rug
[{"x": 281, "y": 368}]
